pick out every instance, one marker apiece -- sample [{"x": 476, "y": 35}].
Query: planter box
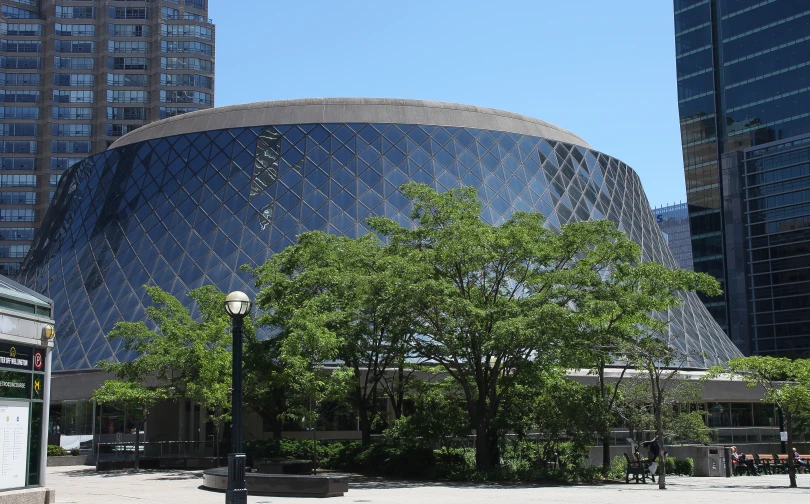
[{"x": 69, "y": 460}]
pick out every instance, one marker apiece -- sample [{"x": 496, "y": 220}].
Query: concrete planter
[{"x": 69, "y": 460}]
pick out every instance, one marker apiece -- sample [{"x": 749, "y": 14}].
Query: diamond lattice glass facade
[{"x": 184, "y": 210}]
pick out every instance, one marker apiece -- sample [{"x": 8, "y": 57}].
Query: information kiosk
[{"x": 26, "y": 340}]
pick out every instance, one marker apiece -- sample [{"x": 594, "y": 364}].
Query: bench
[{"x": 637, "y": 468}]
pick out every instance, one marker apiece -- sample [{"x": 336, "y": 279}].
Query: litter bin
[{"x": 716, "y": 462}]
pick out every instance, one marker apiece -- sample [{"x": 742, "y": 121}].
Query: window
[
  {"x": 14, "y": 251},
  {"x": 196, "y": 4},
  {"x": 83, "y": 113},
  {"x": 15, "y": 13},
  {"x": 54, "y": 179},
  {"x": 126, "y": 113},
  {"x": 18, "y": 146},
  {"x": 190, "y": 16},
  {"x": 9, "y": 268},
  {"x": 128, "y": 12},
  {"x": 81, "y": 130},
  {"x": 20, "y": 45},
  {"x": 17, "y": 214},
  {"x": 120, "y": 129},
  {"x": 19, "y": 112},
  {"x": 169, "y": 13},
  {"x": 188, "y": 80},
  {"x": 75, "y": 30},
  {"x": 19, "y": 79},
  {"x": 185, "y": 46},
  {"x": 75, "y": 12},
  {"x": 127, "y": 96},
  {"x": 18, "y": 180},
  {"x": 187, "y": 31},
  {"x": 17, "y": 164},
  {"x": 21, "y": 29},
  {"x": 173, "y": 111},
  {"x": 62, "y": 163},
  {"x": 73, "y": 63},
  {"x": 186, "y": 64},
  {"x": 73, "y": 79},
  {"x": 19, "y": 129},
  {"x": 18, "y": 198},
  {"x": 74, "y": 46},
  {"x": 71, "y": 146},
  {"x": 127, "y": 63},
  {"x": 12, "y": 62},
  {"x": 16, "y": 234},
  {"x": 60, "y": 96},
  {"x": 19, "y": 96},
  {"x": 115, "y": 46},
  {"x": 185, "y": 97},
  {"x": 126, "y": 80},
  {"x": 121, "y": 30}
]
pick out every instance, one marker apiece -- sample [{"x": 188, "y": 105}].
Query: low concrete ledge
[
  {"x": 29, "y": 496},
  {"x": 69, "y": 460},
  {"x": 281, "y": 485}
]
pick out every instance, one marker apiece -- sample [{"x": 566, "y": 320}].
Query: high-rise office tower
[
  {"x": 743, "y": 71},
  {"x": 77, "y": 74},
  {"x": 674, "y": 223}
]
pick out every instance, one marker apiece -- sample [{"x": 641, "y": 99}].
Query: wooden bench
[{"x": 637, "y": 468}]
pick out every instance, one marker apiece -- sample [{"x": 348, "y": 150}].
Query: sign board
[
  {"x": 13, "y": 444},
  {"x": 783, "y": 436},
  {"x": 15, "y": 385},
  {"x": 16, "y": 356}
]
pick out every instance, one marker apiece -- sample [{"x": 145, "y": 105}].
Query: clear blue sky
[{"x": 602, "y": 69}]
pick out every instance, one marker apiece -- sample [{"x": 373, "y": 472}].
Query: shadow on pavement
[{"x": 161, "y": 475}]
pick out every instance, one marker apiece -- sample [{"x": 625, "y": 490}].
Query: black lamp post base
[{"x": 237, "y": 488}]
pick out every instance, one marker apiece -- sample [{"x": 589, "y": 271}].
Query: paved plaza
[{"x": 82, "y": 485}]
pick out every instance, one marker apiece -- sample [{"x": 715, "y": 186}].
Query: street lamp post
[{"x": 237, "y": 305}]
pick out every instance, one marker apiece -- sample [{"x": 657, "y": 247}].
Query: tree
[
  {"x": 786, "y": 383},
  {"x": 489, "y": 301},
  {"x": 137, "y": 399},
  {"x": 352, "y": 294},
  {"x": 183, "y": 357}
]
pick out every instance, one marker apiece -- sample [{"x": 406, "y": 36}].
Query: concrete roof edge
[{"x": 349, "y": 110}]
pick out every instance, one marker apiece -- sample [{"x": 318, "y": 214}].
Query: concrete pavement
[{"x": 82, "y": 485}]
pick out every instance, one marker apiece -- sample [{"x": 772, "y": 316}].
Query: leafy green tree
[
  {"x": 488, "y": 300},
  {"x": 137, "y": 399},
  {"x": 786, "y": 383},
  {"x": 183, "y": 357},
  {"x": 351, "y": 295}
]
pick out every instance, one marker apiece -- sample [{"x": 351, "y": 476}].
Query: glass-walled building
[
  {"x": 743, "y": 69},
  {"x": 674, "y": 223},
  {"x": 75, "y": 76}
]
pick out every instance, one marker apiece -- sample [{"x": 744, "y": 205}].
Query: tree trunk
[
  {"x": 487, "y": 454},
  {"x": 605, "y": 434},
  {"x": 137, "y": 446},
  {"x": 789, "y": 430},
  {"x": 662, "y": 456}
]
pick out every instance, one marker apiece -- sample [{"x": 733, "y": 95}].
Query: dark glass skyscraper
[{"x": 743, "y": 81}]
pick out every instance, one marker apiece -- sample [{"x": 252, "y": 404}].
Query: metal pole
[
  {"x": 46, "y": 405},
  {"x": 237, "y": 488}
]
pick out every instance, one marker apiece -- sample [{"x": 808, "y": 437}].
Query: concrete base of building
[
  {"x": 29, "y": 496},
  {"x": 70, "y": 460}
]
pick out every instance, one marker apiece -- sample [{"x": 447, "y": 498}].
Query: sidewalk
[{"x": 82, "y": 485}]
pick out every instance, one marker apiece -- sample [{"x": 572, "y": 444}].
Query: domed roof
[{"x": 349, "y": 110}]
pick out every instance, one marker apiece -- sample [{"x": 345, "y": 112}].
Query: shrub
[
  {"x": 670, "y": 466},
  {"x": 685, "y": 467},
  {"x": 75, "y": 451},
  {"x": 56, "y": 451},
  {"x": 618, "y": 468}
]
